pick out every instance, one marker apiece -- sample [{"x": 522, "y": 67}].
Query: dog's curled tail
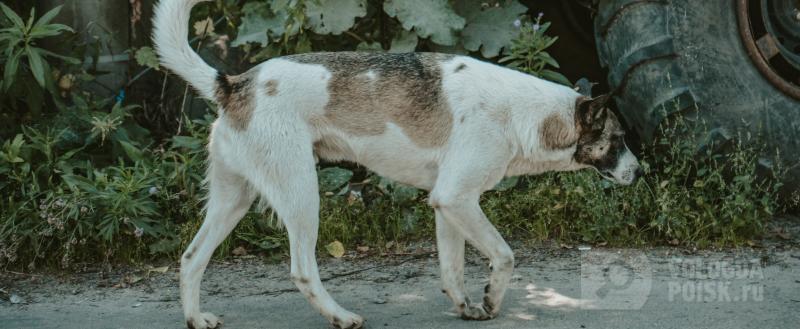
[{"x": 171, "y": 29}]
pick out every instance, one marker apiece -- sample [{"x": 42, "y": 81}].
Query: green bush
[
  {"x": 27, "y": 75},
  {"x": 84, "y": 180}
]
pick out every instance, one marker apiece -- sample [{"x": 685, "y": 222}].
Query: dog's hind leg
[
  {"x": 450, "y": 247},
  {"x": 292, "y": 191},
  {"x": 228, "y": 200}
]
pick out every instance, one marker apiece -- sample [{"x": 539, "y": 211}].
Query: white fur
[
  {"x": 170, "y": 28},
  {"x": 274, "y": 158}
]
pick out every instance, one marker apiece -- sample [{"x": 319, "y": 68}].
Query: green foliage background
[{"x": 83, "y": 179}]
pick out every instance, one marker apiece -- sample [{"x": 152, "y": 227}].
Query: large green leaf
[
  {"x": 48, "y": 30},
  {"x": 133, "y": 152},
  {"x": 10, "y": 73},
  {"x": 257, "y": 22},
  {"x": 69, "y": 60},
  {"x": 332, "y": 178},
  {"x": 48, "y": 16},
  {"x": 37, "y": 64},
  {"x": 334, "y": 16},
  {"x": 147, "y": 57},
  {"x": 555, "y": 77},
  {"x": 404, "y": 42},
  {"x": 506, "y": 183},
  {"x": 491, "y": 28},
  {"x": 429, "y": 18},
  {"x": 400, "y": 193},
  {"x": 12, "y": 16}
]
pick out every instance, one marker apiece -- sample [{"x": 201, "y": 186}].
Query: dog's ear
[{"x": 592, "y": 112}]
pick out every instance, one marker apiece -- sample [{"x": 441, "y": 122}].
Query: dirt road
[{"x": 552, "y": 288}]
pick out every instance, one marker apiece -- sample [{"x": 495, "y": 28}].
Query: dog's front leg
[
  {"x": 459, "y": 207},
  {"x": 467, "y": 216},
  {"x": 450, "y": 247},
  {"x": 463, "y": 176}
]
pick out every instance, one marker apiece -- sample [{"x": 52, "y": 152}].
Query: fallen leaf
[
  {"x": 162, "y": 269},
  {"x": 362, "y": 249},
  {"x": 566, "y": 246},
  {"x": 353, "y": 197},
  {"x": 239, "y": 251},
  {"x": 204, "y": 27},
  {"x": 674, "y": 242},
  {"x": 335, "y": 248}
]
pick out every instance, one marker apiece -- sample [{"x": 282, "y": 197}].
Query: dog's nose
[{"x": 638, "y": 173}]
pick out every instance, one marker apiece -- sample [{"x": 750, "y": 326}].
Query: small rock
[
  {"x": 137, "y": 305},
  {"x": 584, "y": 248},
  {"x": 379, "y": 301},
  {"x": 16, "y": 299}
]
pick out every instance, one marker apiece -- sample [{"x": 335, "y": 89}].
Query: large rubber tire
[{"x": 688, "y": 52}]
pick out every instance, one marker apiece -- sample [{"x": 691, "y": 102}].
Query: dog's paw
[
  {"x": 347, "y": 320},
  {"x": 476, "y": 312},
  {"x": 203, "y": 321}
]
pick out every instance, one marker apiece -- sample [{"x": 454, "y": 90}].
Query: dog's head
[{"x": 601, "y": 141}]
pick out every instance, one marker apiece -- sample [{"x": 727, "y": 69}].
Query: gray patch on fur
[
  {"x": 601, "y": 137},
  {"x": 368, "y": 90},
  {"x": 235, "y": 94},
  {"x": 271, "y": 87},
  {"x": 555, "y": 133}
]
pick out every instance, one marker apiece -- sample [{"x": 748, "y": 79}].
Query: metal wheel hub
[{"x": 770, "y": 31}]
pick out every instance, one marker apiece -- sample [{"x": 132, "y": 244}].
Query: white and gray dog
[{"x": 451, "y": 125}]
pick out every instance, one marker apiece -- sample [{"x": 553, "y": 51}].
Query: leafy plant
[
  {"x": 528, "y": 51},
  {"x": 22, "y": 56},
  {"x": 302, "y": 25}
]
